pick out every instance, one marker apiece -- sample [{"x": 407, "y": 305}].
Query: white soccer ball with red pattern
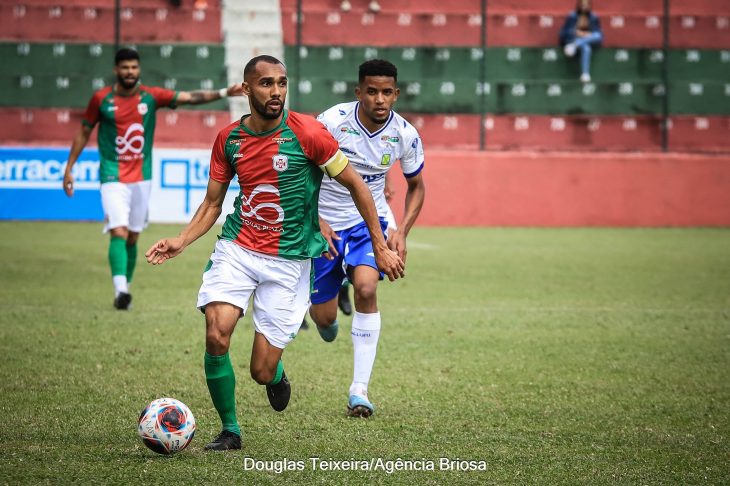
[{"x": 166, "y": 426}]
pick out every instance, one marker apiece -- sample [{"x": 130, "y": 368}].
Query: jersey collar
[
  {"x": 371, "y": 135},
  {"x": 267, "y": 132}
]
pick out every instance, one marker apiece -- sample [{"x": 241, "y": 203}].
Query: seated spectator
[
  {"x": 373, "y": 6},
  {"x": 581, "y": 32}
]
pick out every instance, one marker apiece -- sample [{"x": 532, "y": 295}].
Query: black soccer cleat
[
  {"x": 225, "y": 441},
  {"x": 305, "y": 324},
  {"x": 343, "y": 300},
  {"x": 122, "y": 301},
  {"x": 279, "y": 394}
]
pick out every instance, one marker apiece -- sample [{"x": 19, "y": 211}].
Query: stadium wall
[{"x": 467, "y": 188}]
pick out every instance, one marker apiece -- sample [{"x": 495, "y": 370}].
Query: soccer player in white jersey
[{"x": 373, "y": 137}]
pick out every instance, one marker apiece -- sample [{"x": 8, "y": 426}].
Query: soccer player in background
[
  {"x": 373, "y": 137},
  {"x": 267, "y": 243},
  {"x": 126, "y": 114}
]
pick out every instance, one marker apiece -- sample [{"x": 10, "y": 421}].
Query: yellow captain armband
[{"x": 335, "y": 165}]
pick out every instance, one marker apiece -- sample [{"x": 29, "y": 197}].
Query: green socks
[
  {"x": 118, "y": 256},
  {"x": 279, "y": 373},
  {"x": 131, "y": 260},
  {"x": 222, "y": 387}
]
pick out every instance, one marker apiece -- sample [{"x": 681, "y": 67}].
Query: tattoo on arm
[{"x": 200, "y": 96}]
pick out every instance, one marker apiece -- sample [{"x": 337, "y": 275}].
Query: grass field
[{"x": 557, "y": 356}]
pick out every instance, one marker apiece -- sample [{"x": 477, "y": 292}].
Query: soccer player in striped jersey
[
  {"x": 374, "y": 137},
  {"x": 267, "y": 243},
  {"x": 126, "y": 114}
]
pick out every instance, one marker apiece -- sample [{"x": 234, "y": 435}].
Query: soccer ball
[{"x": 166, "y": 426}]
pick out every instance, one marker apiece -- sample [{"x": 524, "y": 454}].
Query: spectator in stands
[
  {"x": 581, "y": 32},
  {"x": 126, "y": 115},
  {"x": 373, "y": 6}
]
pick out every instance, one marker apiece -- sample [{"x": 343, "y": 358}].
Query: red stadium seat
[
  {"x": 179, "y": 128},
  {"x": 539, "y": 132},
  {"x": 84, "y": 21}
]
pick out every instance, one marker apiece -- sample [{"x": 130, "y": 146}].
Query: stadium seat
[
  {"x": 537, "y": 132},
  {"x": 94, "y": 22},
  {"x": 58, "y": 126},
  {"x": 65, "y": 74}
]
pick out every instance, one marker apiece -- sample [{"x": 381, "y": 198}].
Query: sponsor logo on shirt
[
  {"x": 237, "y": 155},
  {"x": 385, "y": 159},
  {"x": 248, "y": 209},
  {"x": 281, "y": 162},
  {"x": 386, "y": 138},
  {"x": 348, "y": 151},
  {"x": 132, "y": 142},
  {"x": 281, "y": 140},
  {"x": 415, "y": 142},
  {"x": 112, "y": 108},
  {"x": 349, "y": 130},
  {"x": 142, "y": 109},
  {"x": 236, "y": 141}
]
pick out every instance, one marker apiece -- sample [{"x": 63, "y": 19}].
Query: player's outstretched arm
[
  {"x": 388, "y": 261},
  {"x": 78, "y": 144},
  {"x": 207, "y": 95},
  {"x": 204, "y": 218},
  {"x": 415, "y": 196}
]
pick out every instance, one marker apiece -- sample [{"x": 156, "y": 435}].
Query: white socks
[
  {"x": 365, "y": 334},
  {"x": 120, "y": 284}
]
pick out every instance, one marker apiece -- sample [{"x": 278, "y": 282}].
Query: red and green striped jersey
[
  {"x": 126, "y": 130},
  {"x": 279, "y": 173}
]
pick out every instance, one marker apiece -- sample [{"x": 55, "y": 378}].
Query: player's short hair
[
  {"x": 251, "y": 65},
  {"x": 125, "y": 54},
  {"x": 377, "y": 67}
]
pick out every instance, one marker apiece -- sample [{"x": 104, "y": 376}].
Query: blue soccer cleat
[{"x": 359, "y": 406}]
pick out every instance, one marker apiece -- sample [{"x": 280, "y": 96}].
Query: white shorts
[
  {"x": 125, "y": 204},
  {"x": 280, "y": 289}
]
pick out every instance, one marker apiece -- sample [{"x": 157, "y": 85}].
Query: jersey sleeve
[
  {"x": 91, "y": 115},
  {"x": 220, "y": 169},
  {"x": 413, "y": 159},
  {"x": 321, "y": 147},
  {"x": 164, "y": 97}
]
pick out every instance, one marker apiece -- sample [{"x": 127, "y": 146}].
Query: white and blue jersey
[{"x": 371, "y": 155}]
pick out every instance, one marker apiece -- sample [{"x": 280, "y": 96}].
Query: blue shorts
[{"x": 354, "y": 248}]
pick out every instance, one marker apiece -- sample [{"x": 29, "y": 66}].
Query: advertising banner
[{"x": 31, "y": 181}]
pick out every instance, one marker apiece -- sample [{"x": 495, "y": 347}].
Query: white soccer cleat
[{"x": 585, "y": 78}]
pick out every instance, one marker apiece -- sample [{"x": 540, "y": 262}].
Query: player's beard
[
  {"x": 127, "y": 83},
  {"x": 262, "y": 110}
]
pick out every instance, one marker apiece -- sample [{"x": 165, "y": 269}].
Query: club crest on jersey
[
  {"x": 281, "y": 162},
  {"x": 142, "y": 109},
  {"x": 385, "y": 159},
  {"x": 281, "y": 140}
]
